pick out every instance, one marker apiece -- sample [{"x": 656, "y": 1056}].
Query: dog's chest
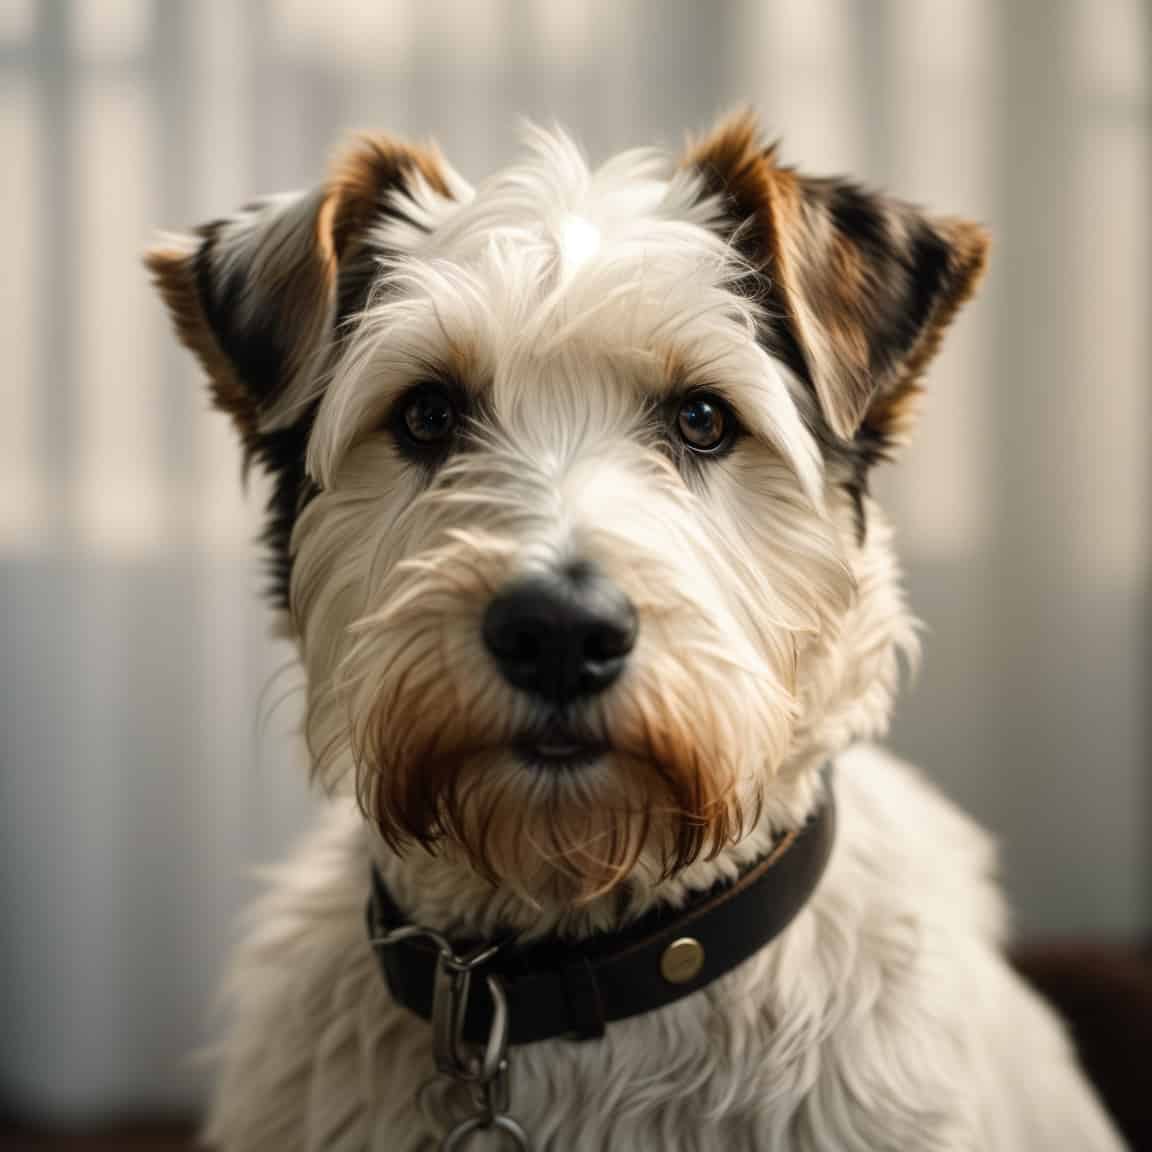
[
  {"x": 799, "y": 1048},
  {"x": 845, "y": 1033},
  {"x": 723, "y": 1069}
]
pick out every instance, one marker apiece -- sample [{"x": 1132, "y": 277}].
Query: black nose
[{"x": 561, "y": 636}]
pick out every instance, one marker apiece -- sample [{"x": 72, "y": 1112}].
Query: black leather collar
[{"x": 573, "y": 988}]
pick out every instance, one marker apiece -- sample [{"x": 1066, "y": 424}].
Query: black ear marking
[{"x": 252, "y": 350}]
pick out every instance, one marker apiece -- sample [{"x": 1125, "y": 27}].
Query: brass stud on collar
[{"x": 682, "y": 960}]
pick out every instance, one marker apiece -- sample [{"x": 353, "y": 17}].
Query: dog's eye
[
  {"x": 705, "y": 422},
  {"x": 426, "y": 415}
]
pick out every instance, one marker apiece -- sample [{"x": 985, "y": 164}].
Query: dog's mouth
[{"x": 558, "y": 745}]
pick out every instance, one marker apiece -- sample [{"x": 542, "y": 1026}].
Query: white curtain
[{"x": 146, "y": 720}]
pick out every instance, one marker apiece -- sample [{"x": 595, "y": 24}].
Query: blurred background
[{"x": 147, "y": 759}]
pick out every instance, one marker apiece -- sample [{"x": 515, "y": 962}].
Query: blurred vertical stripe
[{"x": 22, "y": 471}]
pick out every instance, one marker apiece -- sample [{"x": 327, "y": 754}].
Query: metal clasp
[
  {"x": 450, "y": 991},
  {"x": 482, "y": 1068}
]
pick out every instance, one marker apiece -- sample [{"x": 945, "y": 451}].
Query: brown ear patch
[
  {"x": 174, "y": 274},
  {"x": 362, "y": 177},
  {"x": 865, "y": 285},
  {"x": 366, "y": 170},
  {"x": 738, "y": 168}
]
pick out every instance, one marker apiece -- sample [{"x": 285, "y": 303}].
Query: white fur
[{"x": 571, "y": 302}]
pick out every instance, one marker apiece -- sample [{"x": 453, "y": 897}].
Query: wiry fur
[{"x": 571, "y": 308}]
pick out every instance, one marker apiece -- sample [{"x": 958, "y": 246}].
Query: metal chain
[{"x": 482, "y": 1069}]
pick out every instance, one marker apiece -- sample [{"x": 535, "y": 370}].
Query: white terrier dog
[{"x": 571, "y": 522}]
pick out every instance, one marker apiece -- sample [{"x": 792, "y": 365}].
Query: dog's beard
[
  {"x": 548, "y": 835},
  {"x": 679, "y": 750}
]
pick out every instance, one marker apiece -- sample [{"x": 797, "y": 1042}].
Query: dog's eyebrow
[{"x": 678, "y": 371}]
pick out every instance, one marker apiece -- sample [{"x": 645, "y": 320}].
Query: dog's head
[{"x": 569, "y": 509}]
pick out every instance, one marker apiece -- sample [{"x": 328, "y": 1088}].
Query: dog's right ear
[{"x": 257, "y": 296}]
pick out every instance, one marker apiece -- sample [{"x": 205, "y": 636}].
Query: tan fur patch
[
  {"x": 732, "y": 158},
  {"x": 821, "y": 280},
  {"x": 174, "y": 274},
  {"x": 365, "y": 170}
]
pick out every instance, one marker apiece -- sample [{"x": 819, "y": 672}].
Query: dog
[{"x": 570, "y": 519}]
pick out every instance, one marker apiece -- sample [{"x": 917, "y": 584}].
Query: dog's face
[{"x": 569, "y": 510}]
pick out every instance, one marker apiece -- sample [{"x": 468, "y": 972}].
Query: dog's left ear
[
  {"x": 261, "y": 298},
  {"x": 864, "y": 285}
]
